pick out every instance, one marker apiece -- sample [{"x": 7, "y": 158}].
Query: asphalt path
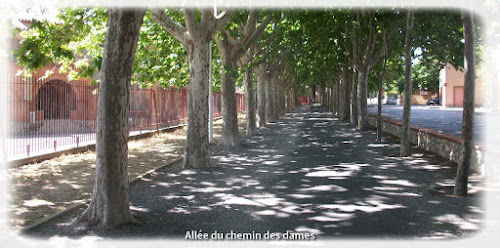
[
  {"x": 308, "y": 176},
  {"x": 446, "y": 120}
]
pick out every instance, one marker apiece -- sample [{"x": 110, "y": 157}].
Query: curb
[{"x": 49, "y": 218}]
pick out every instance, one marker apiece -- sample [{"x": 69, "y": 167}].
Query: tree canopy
[{"x": 319, "y": 42}]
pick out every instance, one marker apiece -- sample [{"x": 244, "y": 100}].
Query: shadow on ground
[{"x": 310, "y": 173}]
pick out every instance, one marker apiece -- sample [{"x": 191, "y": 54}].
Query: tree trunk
[
  {"x": 405, "y": 130},
  {"x": 467, "y": 144},
  {"x": 281, "y": 93},
  {"x": 269, "y": 99},
  {"x": 110, "y": 205},
  {"x": 337, "y": 99},
  {"x": 197, "y": 153},
  {"x": 260, "y": 73},
  {"x": 333, "y": 106},
  {"x": 251, "y": 127},
  {"x": 354, "y": 99},
  {"x": 346, "y": 95},
  {"x": 295, "y": 99},
  {"x": 329, "y": 102},
  {"x": 362, "y": 97},
  {"x": 381, "y": 89},
  {"x": 230, "y": 135},
  {"x": 276, "y": 108},
  {"x": 379, "y": 107}
]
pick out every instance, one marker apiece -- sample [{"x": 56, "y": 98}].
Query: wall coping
[{"x": 428, "y": 131}]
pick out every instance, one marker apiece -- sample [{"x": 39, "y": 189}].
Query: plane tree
[
  {"x": 110, "y": 205},
  {"x": 234, "y": 43},
  {"x": 195, "y": 32}
]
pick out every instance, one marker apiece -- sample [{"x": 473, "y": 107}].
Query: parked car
[
  {"x": 433, "y": 101},
  {"x": 392, "y": 100}
]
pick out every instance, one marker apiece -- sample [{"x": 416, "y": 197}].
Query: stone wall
[{"x": 444, "y": 145}]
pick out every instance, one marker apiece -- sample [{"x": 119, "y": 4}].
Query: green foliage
[
  {"x": 75, "y": 42},
  {"x": 316, "y": 43},
  {"x": 159, "y": 57}
]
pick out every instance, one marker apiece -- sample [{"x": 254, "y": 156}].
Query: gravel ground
[
  {"x": 308, "y": 173},
  {"x": 42, "y": 189}
]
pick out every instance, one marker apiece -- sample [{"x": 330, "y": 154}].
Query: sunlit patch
[
  {"x": 332, "y": 217},
  {"x": 170, "y": 197},
  {"x": 188, "y": 172},
  {"x": 139, "y": 209},
  {"x": 377, "y": 145},
  {"x": 409, "y": 194},
  {"x": 270, "y": 201},
  {"x": 163, "y": 184},
  {"x": 301, "y": 196},
  {"x": 379, "y": 177},
  {"x": 269, "y": 162},
  {"x": 387, "y": 166},
  {"x": 37, "y": 203},
  {"x": 319, "y": 188},
  {"x": 368, "y": 206},
  {"x": 387, "y": 188},
  {"x": 296, "y": 210},
  {"x": 399, "y": 182},
  {"x": 417, "y": 161},
  {"x": 322, "y": 218},
  {"x": 179, "y": 210},
  {"x": 306, "y": 229},
  {"x": 235, "y": 200},
  {"x": 463, "y": 224},
  {"x": 208, "y": 184},
  {"x": 329, "y": 174},
  {"x": 266, "y": 212},
  {"x": 432, "y": 167},
  {"x": 204, "y": 208},
  {"x": 76, "y": 186},
  {"x": 49, "y": 187},
  {"x": 207, "y": 189}
]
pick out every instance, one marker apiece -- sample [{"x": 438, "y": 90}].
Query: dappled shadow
[{"x": 308, "y": 172}]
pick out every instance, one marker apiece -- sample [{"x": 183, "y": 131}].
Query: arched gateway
[{"x": 56, "y": 98}]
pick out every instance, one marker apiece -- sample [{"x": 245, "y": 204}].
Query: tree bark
[
  {"x": 337, "y": 99},
  {"x": 260, "y": 74},
  {"x": 195, "y": 37},
  {"x": 276, "y": 101},
  {"x": 110, "y": 205},
  {"x": 346, "y": 95},
  {"x": 333, "y": 103},
  {"x": 197, "y": 153},
  {"x": 354, "y": 99},
  {"x": 405, "y": 130},
  {"x": 269, "y": 100},
  {"x": 251, "y": 127},
  {"x": 381, "y": 89},
  {"x": 467, "y": 144},
  {"x": 230, "y": 135},
  {"x": 362, "y": 97}
]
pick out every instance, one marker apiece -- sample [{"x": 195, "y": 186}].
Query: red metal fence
[{"x": 53, "y": 114}]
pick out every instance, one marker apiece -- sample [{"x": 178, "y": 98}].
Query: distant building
[{"x": 451, "y": 88}]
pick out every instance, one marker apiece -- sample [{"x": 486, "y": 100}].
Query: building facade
[{"x": 451, "y": 88}]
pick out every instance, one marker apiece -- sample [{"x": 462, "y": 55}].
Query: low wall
[{"x": 444, "y": 145}]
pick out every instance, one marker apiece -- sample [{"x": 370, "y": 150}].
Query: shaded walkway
[{"x": 307, "y": 173}]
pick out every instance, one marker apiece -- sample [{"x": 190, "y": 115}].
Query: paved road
[
  {"x": 440, "y": 119},
  {"x": 308, "y": 173}
]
